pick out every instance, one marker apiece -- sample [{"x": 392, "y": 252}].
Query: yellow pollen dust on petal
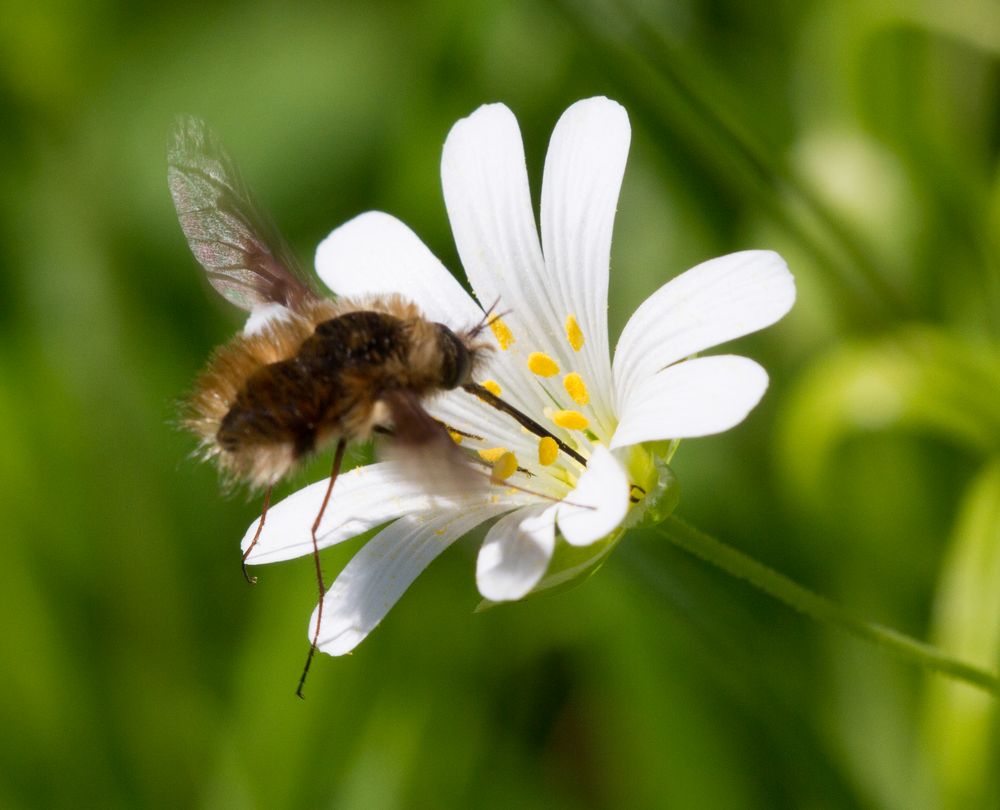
[
  {"x": 571, "y": 420},
  {"x": 576, "y": 388},
  {"x": 573, "y": 333},
  {"x": 547, "y": 450},
  {"x": 504, "y": 467},
  {"x": 455, "y": 437},
  {"x": 502, "y": 333},
  {"x": 541, "y": 364},
  {"x": 491, "y": 454},
  {"x": 492, "y": 386}
]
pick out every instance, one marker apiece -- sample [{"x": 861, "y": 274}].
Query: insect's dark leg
[
  {"x": 338, "y": 458},
  {"x": 256, "y": 537},
  {"x": 458, "y": 431},
  {"x": 522, "y": 419},
  {"x": 488, "y": 317}
]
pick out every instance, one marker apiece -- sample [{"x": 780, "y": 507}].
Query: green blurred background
[{"x": 860, "y": 139}]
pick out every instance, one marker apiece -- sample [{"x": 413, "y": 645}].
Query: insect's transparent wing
[
  {"x": 422, "y": 447},
  {"x": 246, "y": 261}
]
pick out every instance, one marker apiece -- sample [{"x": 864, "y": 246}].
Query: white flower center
[{"x": 554, "y": 466}]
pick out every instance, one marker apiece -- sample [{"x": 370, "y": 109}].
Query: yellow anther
[
  {"x": 547, "y": 450},
  {"x": 541, "y": 364},
  {"x": 576, "y": 388},
  {"x": 504, "y": 467},
  {"x": 502, "y": 333},
  {"x": 455, "y": 437},
  {"x": 492, "y": 387},
  {"x": 571, "y": 420},
  {"x": 491, "y": 454},
  {"x": 573, "y": 333}
]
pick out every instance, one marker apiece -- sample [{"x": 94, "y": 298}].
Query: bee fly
[{"x": 308, "y": 372}]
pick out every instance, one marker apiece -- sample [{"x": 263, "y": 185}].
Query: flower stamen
[
  {"x": 574, "y": 335},
  {"x": 492, "y": 454},
  {"x": 501, "y": 332},
  {"x": 576, "y": 388},
  {"x": 548, "y": 450},
  {"x": 504, "y": 467},
  {"x": 571, "y": 420},
  {"x": 492, "y": 386},
  {"x": 542, "y": 365}
]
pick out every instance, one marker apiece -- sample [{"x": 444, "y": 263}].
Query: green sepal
[{"x": 659, "y": 504}]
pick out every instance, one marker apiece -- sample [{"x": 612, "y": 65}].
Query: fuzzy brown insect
[{"x": 307, "y": 373}]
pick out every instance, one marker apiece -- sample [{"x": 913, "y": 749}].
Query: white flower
[{"x": 552, "y": 362}]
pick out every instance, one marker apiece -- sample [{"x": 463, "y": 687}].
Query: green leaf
[
  {"x": 918, "y": 379},
  {"x": 960, "y": 722}
]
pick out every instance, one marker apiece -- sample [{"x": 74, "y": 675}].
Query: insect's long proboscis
[{"x": 522, "y": 419}]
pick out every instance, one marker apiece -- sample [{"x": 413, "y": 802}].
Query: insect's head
[
  {"x": 461, "y": 355},
  {"x": 465, "y": 352}
]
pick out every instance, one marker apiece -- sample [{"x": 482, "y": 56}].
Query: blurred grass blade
[
  {"x": 960, "y": 723},
  {"x": 741, "y": 566},
  {"x": 919, "y": 378}
]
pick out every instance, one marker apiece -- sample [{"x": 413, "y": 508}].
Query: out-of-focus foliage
[{"x": 859, "y": 139}]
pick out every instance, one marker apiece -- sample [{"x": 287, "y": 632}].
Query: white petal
[
  {"x": 486, "y": 192},
  {"x": 718, "y": 300},
  {"x": 375, "y": 253},
  {"x": 516, "y": 552},
  {"x": 694, "y": 398},
  {"x": 583, "y": 176},
  {"x": 362, "y": 498},
  {"x": 598, "y": 504},
  {"x": 383, "y": 569}
]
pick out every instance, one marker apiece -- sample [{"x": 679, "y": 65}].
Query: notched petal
[
  {"x": 515, "y": 553},
  {"x": 598, "y": 504}
]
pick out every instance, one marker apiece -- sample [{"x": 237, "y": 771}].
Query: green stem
[{"x": 739, "y": 565}]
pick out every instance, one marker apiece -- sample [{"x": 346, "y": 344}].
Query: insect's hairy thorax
[{"x": 366, "y": 342}]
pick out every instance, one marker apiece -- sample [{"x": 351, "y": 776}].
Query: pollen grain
[
  {"x": 491, "y": 454},
  {"x": 492, "y": 386}
]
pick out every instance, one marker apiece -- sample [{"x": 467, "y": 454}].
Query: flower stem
[{"x": 739, "y": 565}]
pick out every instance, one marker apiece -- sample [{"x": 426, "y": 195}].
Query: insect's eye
[{"x": 456, "y": 364}]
